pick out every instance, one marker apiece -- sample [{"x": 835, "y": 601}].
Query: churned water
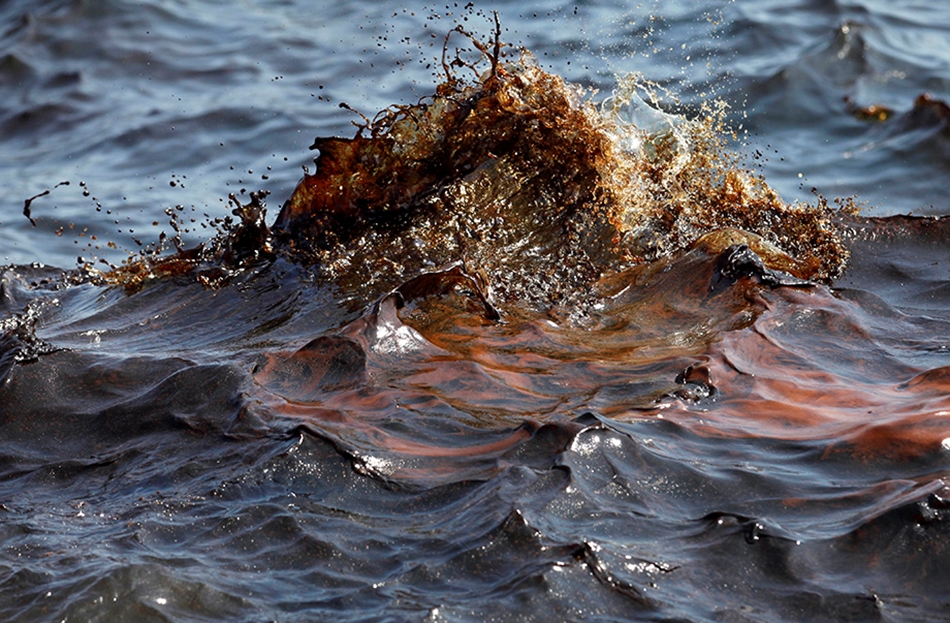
[{"x": 521, "y": 351}]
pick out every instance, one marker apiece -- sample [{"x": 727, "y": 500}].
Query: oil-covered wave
[
  {"x": 505, "y": 353},
  {"x": 523, "y": 178}
]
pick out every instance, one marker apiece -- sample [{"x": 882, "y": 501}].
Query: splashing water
[{"x": 522, "y": 178}]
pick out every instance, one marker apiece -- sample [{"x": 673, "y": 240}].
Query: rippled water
[{"x": 707, "y": 439}]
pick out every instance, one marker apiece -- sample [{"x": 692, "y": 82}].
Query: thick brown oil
[{"x": 523, "y": 180}]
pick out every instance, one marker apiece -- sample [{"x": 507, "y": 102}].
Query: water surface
[{"x": 707, "y": 433}]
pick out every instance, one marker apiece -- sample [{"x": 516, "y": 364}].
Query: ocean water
[{"x": 406, "y": 425}]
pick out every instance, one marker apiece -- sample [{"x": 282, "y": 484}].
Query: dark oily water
[{"x": 516, "y": 352}]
